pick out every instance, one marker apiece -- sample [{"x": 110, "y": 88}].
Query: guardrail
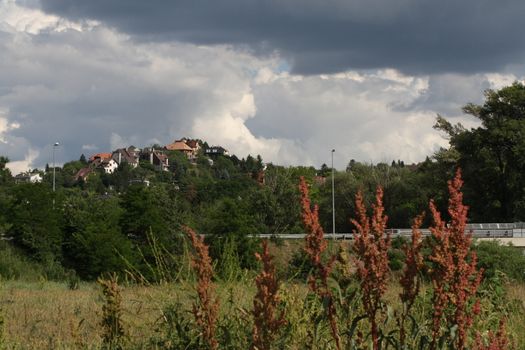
[{"x": 484, "y": 230}]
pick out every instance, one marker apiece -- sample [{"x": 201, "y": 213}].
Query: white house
[
  {"x": 109, "y": 165},
  {"x": 32, "y": 177}
]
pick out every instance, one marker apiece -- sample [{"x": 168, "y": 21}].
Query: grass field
[{"x": 48, "y": 315}]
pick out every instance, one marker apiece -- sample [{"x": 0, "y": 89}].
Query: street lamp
[
  {"x": 333, "y": 197},
  {"x": 54, "y": 148}
]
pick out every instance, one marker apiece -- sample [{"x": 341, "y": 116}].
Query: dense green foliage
[
  {"x": 492, "y": 155},
  {"x": 495, "y": 258}
]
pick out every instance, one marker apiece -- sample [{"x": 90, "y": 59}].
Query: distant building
[
  {"x": 29, "y": 177},
  {"x": 103, "y": 161},
  {"x": 194, "y": 144},
  {"x": 109, "y": 165},
  {"x": 187, "y": 146},
  {"x": 216, "y": 151},
  {"x": 83, "y": 174},
  {"x": 99, "y": 156},
  {"x": 128, "y": 155},
  {"x": 156, "y": 158}
]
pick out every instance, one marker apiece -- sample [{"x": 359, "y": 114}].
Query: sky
[{"x": 287, "y": 79}]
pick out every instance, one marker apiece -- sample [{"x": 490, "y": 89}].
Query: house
[
  {"x": 156, "y": 158},
  {"x": 99, "y": 156},
  {"x": 181, "y": 146},
  {"x": 29, "y": 177},
  {"x": 190, "y": 147},
  {"x": 83, "y": 174},
  {"x": 194, "y": 145},
  {"x": 161, "y": 161},
  {"x": 103, "y": 161},
  {"x": 109, "y": 165},
  {"x": 216, "y": 151},
  {"x": 128, "y": 155}
]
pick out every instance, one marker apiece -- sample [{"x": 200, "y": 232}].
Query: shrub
[
  {"x": 395, "y": 259},
  {"x": 228, "y": 227},
  {"x": 493, "y": 257},
  {"x": 14, "y": 265}
]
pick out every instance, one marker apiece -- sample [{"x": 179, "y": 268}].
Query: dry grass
[
  {"x": 48, "y": 315},
  {"x": 516, "y": 320}
]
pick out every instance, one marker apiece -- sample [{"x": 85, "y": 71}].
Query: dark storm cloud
[{"x": 414, "y": 36}]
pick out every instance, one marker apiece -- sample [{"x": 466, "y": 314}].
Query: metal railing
[{"x": 479, "y": 230}]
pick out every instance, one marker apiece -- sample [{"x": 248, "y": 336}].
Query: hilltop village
[
  {"x": 156, "y": 157},
  {"x": 170, "y": 159}
]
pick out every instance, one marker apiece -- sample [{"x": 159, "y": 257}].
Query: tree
[
  {"x": 228, "y": 225},
  {"x": 35, "y": 220},
  {"x": 5, "y": 173},
  {"x": 69, "y": 170},
  {"x": 93, "y": 243},
  {"x": 325, "y": 170},
  {"x": 141, "y": 215},
  {"x": 282, "y": 203},
  {"x": 492, "y": 155}
]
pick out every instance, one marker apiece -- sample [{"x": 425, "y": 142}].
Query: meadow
[{"x": 50, "y": 315}]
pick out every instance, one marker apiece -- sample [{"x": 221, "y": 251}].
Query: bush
[
  {"x": 396, "y": 258},
  {"x": 300, "y": 265},
  {"x": 228, "y": 228},
  {"x": 14, "y": 265},
  {"x": 396, "y": 255},
  {"x": 493, "y": 257}
]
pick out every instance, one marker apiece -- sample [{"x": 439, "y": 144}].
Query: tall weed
[
  {"x": 267, "y": 313},
  {"x": 206, "y": 307},
  {"x": 113, "y": 335},
  {"x": 315, "y": 246},
  {"x": 454, "y": 274}
]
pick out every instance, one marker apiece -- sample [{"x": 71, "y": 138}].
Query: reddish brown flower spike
[
  {"x": 371, "y": 245},
  {"x": 498, "y": 341},
  {"x": 266, "y": 304},
  {"x": 455, "y": 278},
  {"x": 206, "y": 310},
  {"x": 315, "y": 245},
  {"x": 410, "y": 280}
]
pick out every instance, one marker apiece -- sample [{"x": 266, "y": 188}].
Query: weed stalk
[
  {"x": 206, "y": 309},
  {"x": 266, "y": 303},
  {"x": 371, "y": 245},
  {"x": 315, "y": 245}
]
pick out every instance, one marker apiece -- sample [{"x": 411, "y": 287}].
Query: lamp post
[
  {"x": 54, "y": 148},
  {"x": 333, "y": 198}
]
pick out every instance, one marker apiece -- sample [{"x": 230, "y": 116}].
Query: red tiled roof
[
  {"x": 178, "y": 146},
  {"x": 83, "y": 173},
  {"x": 100, "y": 156},
  {"x": 192, "y": 143},
  {"x": 161, "y": 157}
]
